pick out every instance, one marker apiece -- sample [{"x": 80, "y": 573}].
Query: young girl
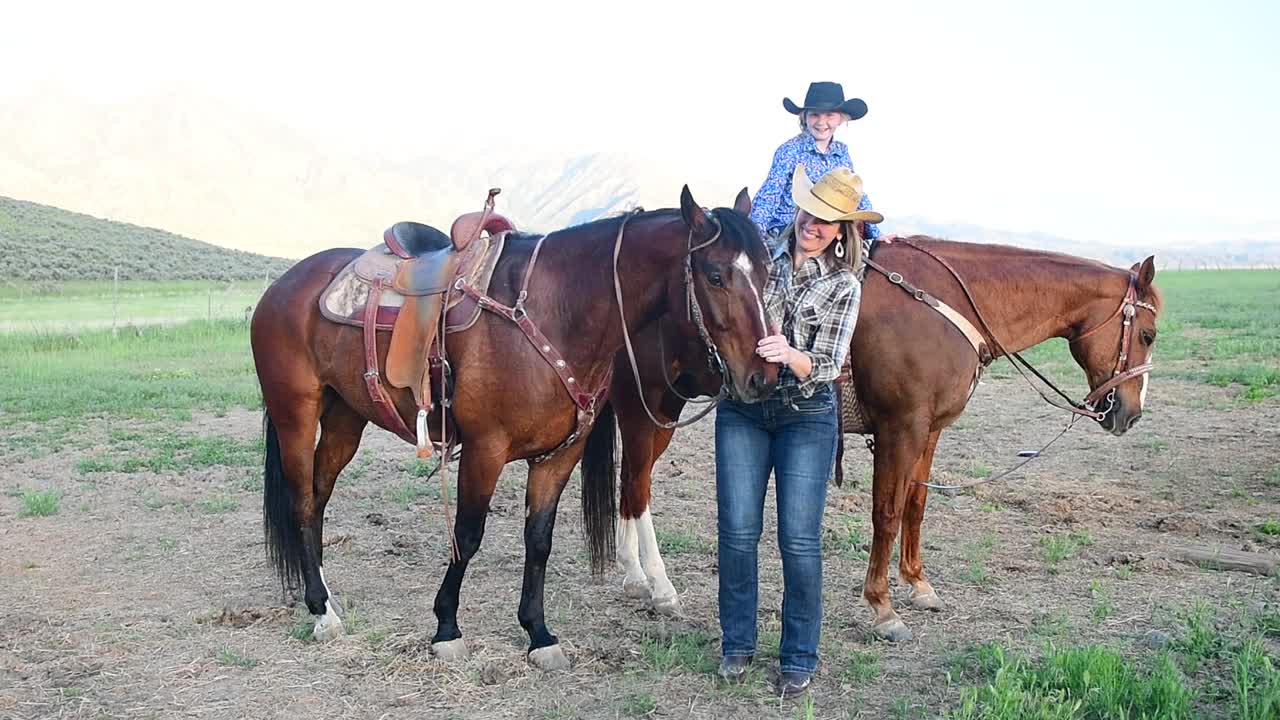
[
  {"x": 824, "y": 110},
  {"x": 812, "y": 302}
]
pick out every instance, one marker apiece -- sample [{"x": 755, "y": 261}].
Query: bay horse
[
  {"x": 913, "y": 372},
  {"x": 508, "y": 402}
]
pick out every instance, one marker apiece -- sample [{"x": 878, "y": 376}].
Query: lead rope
[
  {"x": 445, "y": 404},
  {"x": 1029, "y": 457}
]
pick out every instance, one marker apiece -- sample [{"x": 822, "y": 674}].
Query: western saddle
[{"x": 408, "y": 285}]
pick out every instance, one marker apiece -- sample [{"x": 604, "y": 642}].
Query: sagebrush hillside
[{"x": 43, "y": 243}]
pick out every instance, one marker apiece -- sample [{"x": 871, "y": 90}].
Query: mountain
[
  {"x": 42, "y": 243},
  {"x": 1230, "y": 254},
  {"x": 204, "y": 168},
  {"x": 208, "y": 170}
]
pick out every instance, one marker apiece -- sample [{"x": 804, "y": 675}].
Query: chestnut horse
[
  {"x": 509, "y": 403},
  {"x": 913, "y": 372}
]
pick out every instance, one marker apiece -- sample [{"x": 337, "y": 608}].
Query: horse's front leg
[
  {"x": 542, "y": 497},
  {"x": 910, "y": 566},
  {"x": 477, "y": 477}
]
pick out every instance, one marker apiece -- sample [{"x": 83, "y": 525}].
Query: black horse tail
[
  {"x": 280, "y": 530},
  {"x": 599, "y": 478}
]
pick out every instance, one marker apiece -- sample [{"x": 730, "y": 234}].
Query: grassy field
[
  {"x": 1220, "y": 327},
  {"x": 140, "y": 409},
  {"x": 85, "y": 304}
]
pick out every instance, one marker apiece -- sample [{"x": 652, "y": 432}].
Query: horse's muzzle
[
  {"x": 1118, "y": 423},
  {"x": 757, "y": 388}
]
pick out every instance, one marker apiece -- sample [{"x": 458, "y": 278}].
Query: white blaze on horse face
[
  {"x": 743, "y": 263},
  {"x": 1142, "y": 395}
]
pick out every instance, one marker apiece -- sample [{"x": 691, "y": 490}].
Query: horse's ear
[
  {"x": 693, "y": 214},
  {"x": 1146, "y": 272},
  {"x": 742, "y": 203}
]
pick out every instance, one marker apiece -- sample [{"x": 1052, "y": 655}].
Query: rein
[
  {"x": 1128, "y": 308},
  {"x": 662, "y": 358},
  {"x": 694, "y": 312},
  {"x": 1086, "y": 408}
]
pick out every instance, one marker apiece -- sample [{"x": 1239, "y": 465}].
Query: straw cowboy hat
[
  {"x": 827, "y": 97},
  {"x": 833, "y": 198}
]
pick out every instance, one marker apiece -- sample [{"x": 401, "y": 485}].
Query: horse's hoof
[
  {"x": 894, "y": 631},
  {"x": 450, "y": 650},
  {"x": 328, "y": 627},
  {"x": 636, "y": 589},
  {"x": 669, "y": 606},
  {"x": 550, "y": 658},
  {"x": 927, "y": 601}
]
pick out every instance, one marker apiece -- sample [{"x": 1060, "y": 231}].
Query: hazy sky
[{"x": 1095, "y": 120}]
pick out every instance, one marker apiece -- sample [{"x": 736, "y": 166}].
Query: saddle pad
[
  {"x": 852, "y": 419},
  {"x": 343, "y": 301}
]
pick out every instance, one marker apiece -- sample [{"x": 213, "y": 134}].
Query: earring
[{"x": 839, "y": 249}]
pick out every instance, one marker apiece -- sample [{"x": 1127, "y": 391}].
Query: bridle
[
  {"x": 693, "y": 311},
  {"x": 1107, "y": 391},
  {"x": 1127, "y": 309}
]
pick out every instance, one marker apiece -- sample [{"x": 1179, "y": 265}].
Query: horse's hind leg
[
  {"x": 290, "y": 498},
  {"x": 477, "y": 477},
  {"x": 340, "y": 432},
  {"x": 638, "y": 552},
  {"x": 910, "y": 566},
  {"x": 897, "y": 451}
]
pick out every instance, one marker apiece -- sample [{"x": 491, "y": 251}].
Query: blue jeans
[{"x": 795, "y": 437}]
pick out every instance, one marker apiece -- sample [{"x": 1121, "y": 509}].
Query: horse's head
[
  {"x": 729, "y": 268},
  {"x": 1114, "y": 346}
]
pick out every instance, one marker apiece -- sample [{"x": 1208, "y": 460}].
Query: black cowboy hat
[{"x": 827, "y": 97}]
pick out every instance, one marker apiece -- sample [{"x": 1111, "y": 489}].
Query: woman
[
  {"x": 823, "y": 112},
  {"x": 812, "y": 296}
]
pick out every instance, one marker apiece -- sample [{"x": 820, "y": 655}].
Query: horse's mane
[
  {"x": 738, "y": 232},
  {"x": 1015, "y": 265},
  {"x": 743, "y": 234}
]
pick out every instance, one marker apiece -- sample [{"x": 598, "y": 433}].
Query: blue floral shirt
[{"x": 772, "y": 207}]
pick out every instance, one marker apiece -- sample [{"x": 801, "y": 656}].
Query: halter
[{"x": 693, "y": 311}]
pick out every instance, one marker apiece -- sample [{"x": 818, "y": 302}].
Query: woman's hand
[{"x": 776, "y": 349}]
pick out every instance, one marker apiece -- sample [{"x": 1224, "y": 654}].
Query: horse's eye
[
  {"x": 715, "y": 279},
  {"x": 1148, "y": 337}
]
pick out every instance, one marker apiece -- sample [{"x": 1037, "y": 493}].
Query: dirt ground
[{"x": 148, "y": 595}]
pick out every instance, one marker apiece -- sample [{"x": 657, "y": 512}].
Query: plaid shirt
[{"x": 817, "y": 308}]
